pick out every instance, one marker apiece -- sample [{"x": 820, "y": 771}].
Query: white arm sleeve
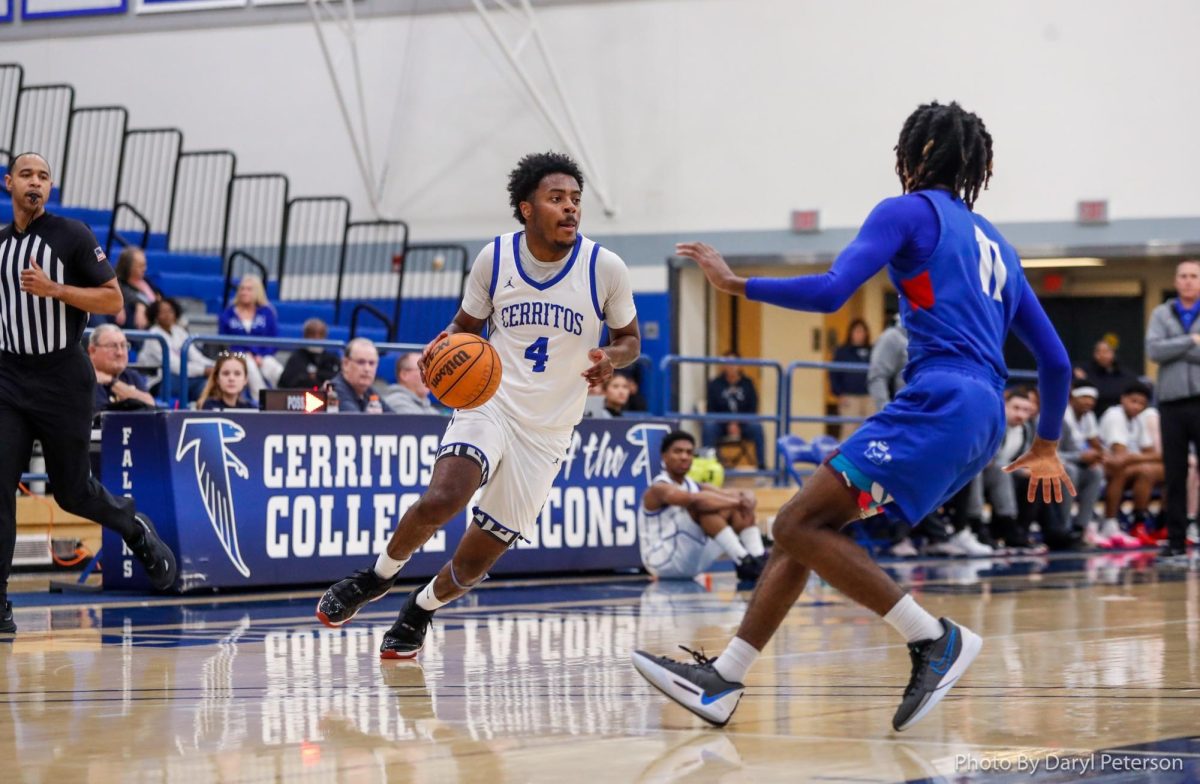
[
  {"x": 614, "y": 289},
  {"x": 477, "y": 299}
]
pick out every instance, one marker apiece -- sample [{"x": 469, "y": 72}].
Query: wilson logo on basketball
[{"x": 449, "y": 366}]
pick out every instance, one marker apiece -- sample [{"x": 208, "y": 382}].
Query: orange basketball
[{"x": 463, "y": 371}]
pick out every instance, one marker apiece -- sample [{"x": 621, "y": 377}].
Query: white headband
[{"x": 1085, "y": 392}]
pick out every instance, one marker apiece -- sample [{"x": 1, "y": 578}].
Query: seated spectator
[
  {"x": 409, "y": 395},
  {"x": 637, "y": 400},
  {"x": 227, "y": 387},
  {"x": 118, "y": 386},
  {"x": 614, "y": 394},
  {"x": 138, "y": 292},
  {"x": 1083, "y": 455},
  {"x": 851, "y": 388},
  {"x": 1130, "y": 460},
  {"x": 732, "y": 393},
  {"x": 1103, "y": 373},
  {"x": 684, "y": 527},
  {"x": 1002, "y": 488},
  {"x": 353, "y": 385},
  {"x": 164, "y": 320},
  {"x": 310, "y": 366},
  {"x": 252, "y": 315}
]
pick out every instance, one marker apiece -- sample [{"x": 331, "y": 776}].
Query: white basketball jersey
[
  {"x": 663, "y": 532},
  {"x": 543, "y": 332}
]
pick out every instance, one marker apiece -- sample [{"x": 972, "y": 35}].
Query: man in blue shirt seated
[
  {"x": 353, "y": 385},
  {"x": 118, "y": 387}
]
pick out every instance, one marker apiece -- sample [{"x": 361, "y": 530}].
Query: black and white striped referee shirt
[{"x": 68, "y": 252}]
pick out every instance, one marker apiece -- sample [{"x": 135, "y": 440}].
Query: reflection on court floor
[{"x": 1090, "y": 669}]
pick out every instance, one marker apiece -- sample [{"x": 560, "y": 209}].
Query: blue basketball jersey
[{"x": 958, "y": 304}]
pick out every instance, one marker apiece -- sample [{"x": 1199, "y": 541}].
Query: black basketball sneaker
[
  {"x": 407, "y": 635},
  {"x": 696, "y": 686},
  {"x": 346, "y": 597},
  {"x": 936, "y": 666},
  {"x": 154, "y": 554},
  {"x": 7, "y": 624}
]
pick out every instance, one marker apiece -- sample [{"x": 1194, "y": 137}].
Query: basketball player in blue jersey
[
  {"x": 962, "y": 289},
  {"x": 545, "y": 293}
]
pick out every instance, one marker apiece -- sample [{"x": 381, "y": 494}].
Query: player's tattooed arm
[{"x": 624, "y": 347}]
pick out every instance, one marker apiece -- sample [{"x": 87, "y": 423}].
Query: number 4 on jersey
[
  {"x": 991, "y": 266},
  {"x": 537, "y": 353}
]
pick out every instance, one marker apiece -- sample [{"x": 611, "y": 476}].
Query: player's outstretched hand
[
  {"x": 601, "y": 369},
  {"x": 714, "y": 266},
  {"x": 427, "y": 353},
  {"x": 1045, "y": 469}
]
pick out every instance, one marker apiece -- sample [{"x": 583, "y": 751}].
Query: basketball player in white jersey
[
  {"x": 684, "y": 526},
  {"x": 544, "y": 293}
]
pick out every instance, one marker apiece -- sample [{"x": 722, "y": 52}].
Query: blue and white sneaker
[
  {"x": 695, "y": 686},
  {"x": 936, "y": 666}
]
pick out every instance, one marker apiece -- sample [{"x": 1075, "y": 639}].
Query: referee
[{"x": 52, "y": 274}]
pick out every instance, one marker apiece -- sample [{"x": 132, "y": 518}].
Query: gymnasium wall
[{"x": 713, "y": 115}]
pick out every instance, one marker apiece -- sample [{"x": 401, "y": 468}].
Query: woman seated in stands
[
  {"x": 251, "y": 314},
  {"x": 164, "y": 318},
  {"x": 226, "y": 387},
  {"x": 138, "y": 292}
]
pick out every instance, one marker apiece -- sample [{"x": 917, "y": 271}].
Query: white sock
[
  {"x": 730, "y": 543},
  {"x": 912, "y": 621},
  {"x": 427, "y": 599},
  {"x": 735, "y": 661},
  {"x": 388, "y": 567},
  {"x": 752, "y": 540}
]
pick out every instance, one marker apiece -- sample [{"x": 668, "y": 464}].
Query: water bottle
[
  {"x": 332, "y": 405},
  {"x": 374, "y": 404}
]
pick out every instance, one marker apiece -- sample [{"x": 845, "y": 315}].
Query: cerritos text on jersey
[{"x": 544, "y": 314}]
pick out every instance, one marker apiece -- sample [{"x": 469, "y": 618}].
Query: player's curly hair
[
  {"x": 944, "y": 145},
  {"x": 524, "y": 179}
]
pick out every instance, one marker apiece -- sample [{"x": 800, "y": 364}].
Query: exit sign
[
  {"x": 1092, "y": 213},
  {"x": 805, "y": 221}
]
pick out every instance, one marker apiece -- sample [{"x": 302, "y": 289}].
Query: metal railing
[
  {"x": 199, "y": 200},
  {"x": 291, "y": 343},
  {"x": 115, "y": 234},
  {"x": 95, "y": 156},
  {"x": 12, "y": 79},
  {"x": 368, "y": 268},
  {"x": 256, "y": 218},
  {"x": 374, "y": 311},
  {"x": 314, "y": 240},
  {"x": 147, "y": 174},
  {"x": 671, "y": 360}
]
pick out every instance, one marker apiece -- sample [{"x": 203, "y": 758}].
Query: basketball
[{"x": 463, "y": 371}]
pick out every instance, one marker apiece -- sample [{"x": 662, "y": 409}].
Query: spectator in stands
[
  {"x": 1173, "y": 341},
  {"x": 1105, "y": 375},
  {"x": 360, "y": 361},
  {"x": 1130, "y": 460},
  {"x": 732, "y": 393},
  {"x": 614, "y": 396},
  {"x": 310, "y": 366},
  {"x": 227, "y": 387},
  {"x": 409, "y": 395},
  {"x": 1002, "y": 488},
  {"x": 684, "y": 526},
  {"x": 164, "y": 320},
  {"x": 251, "y": 314},
  {"x": 888, "y": 357},
  {"x": 637, "y": 400},
  {"x": 1083, "y": 454},
  {"x": 851, "y": 388},
  {"x": 139, "y": 293},
  {"x": 118, "y": 387}
]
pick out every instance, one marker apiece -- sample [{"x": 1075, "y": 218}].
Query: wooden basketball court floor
[{"x": 1090, "y": 670}]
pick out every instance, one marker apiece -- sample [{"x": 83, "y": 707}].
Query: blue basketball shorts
[{"x": 935, "y": 436}]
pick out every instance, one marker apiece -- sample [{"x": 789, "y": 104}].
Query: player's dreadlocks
[
  {"x": 524, "y": 179},
  {"x": 944, "y": 145}
]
